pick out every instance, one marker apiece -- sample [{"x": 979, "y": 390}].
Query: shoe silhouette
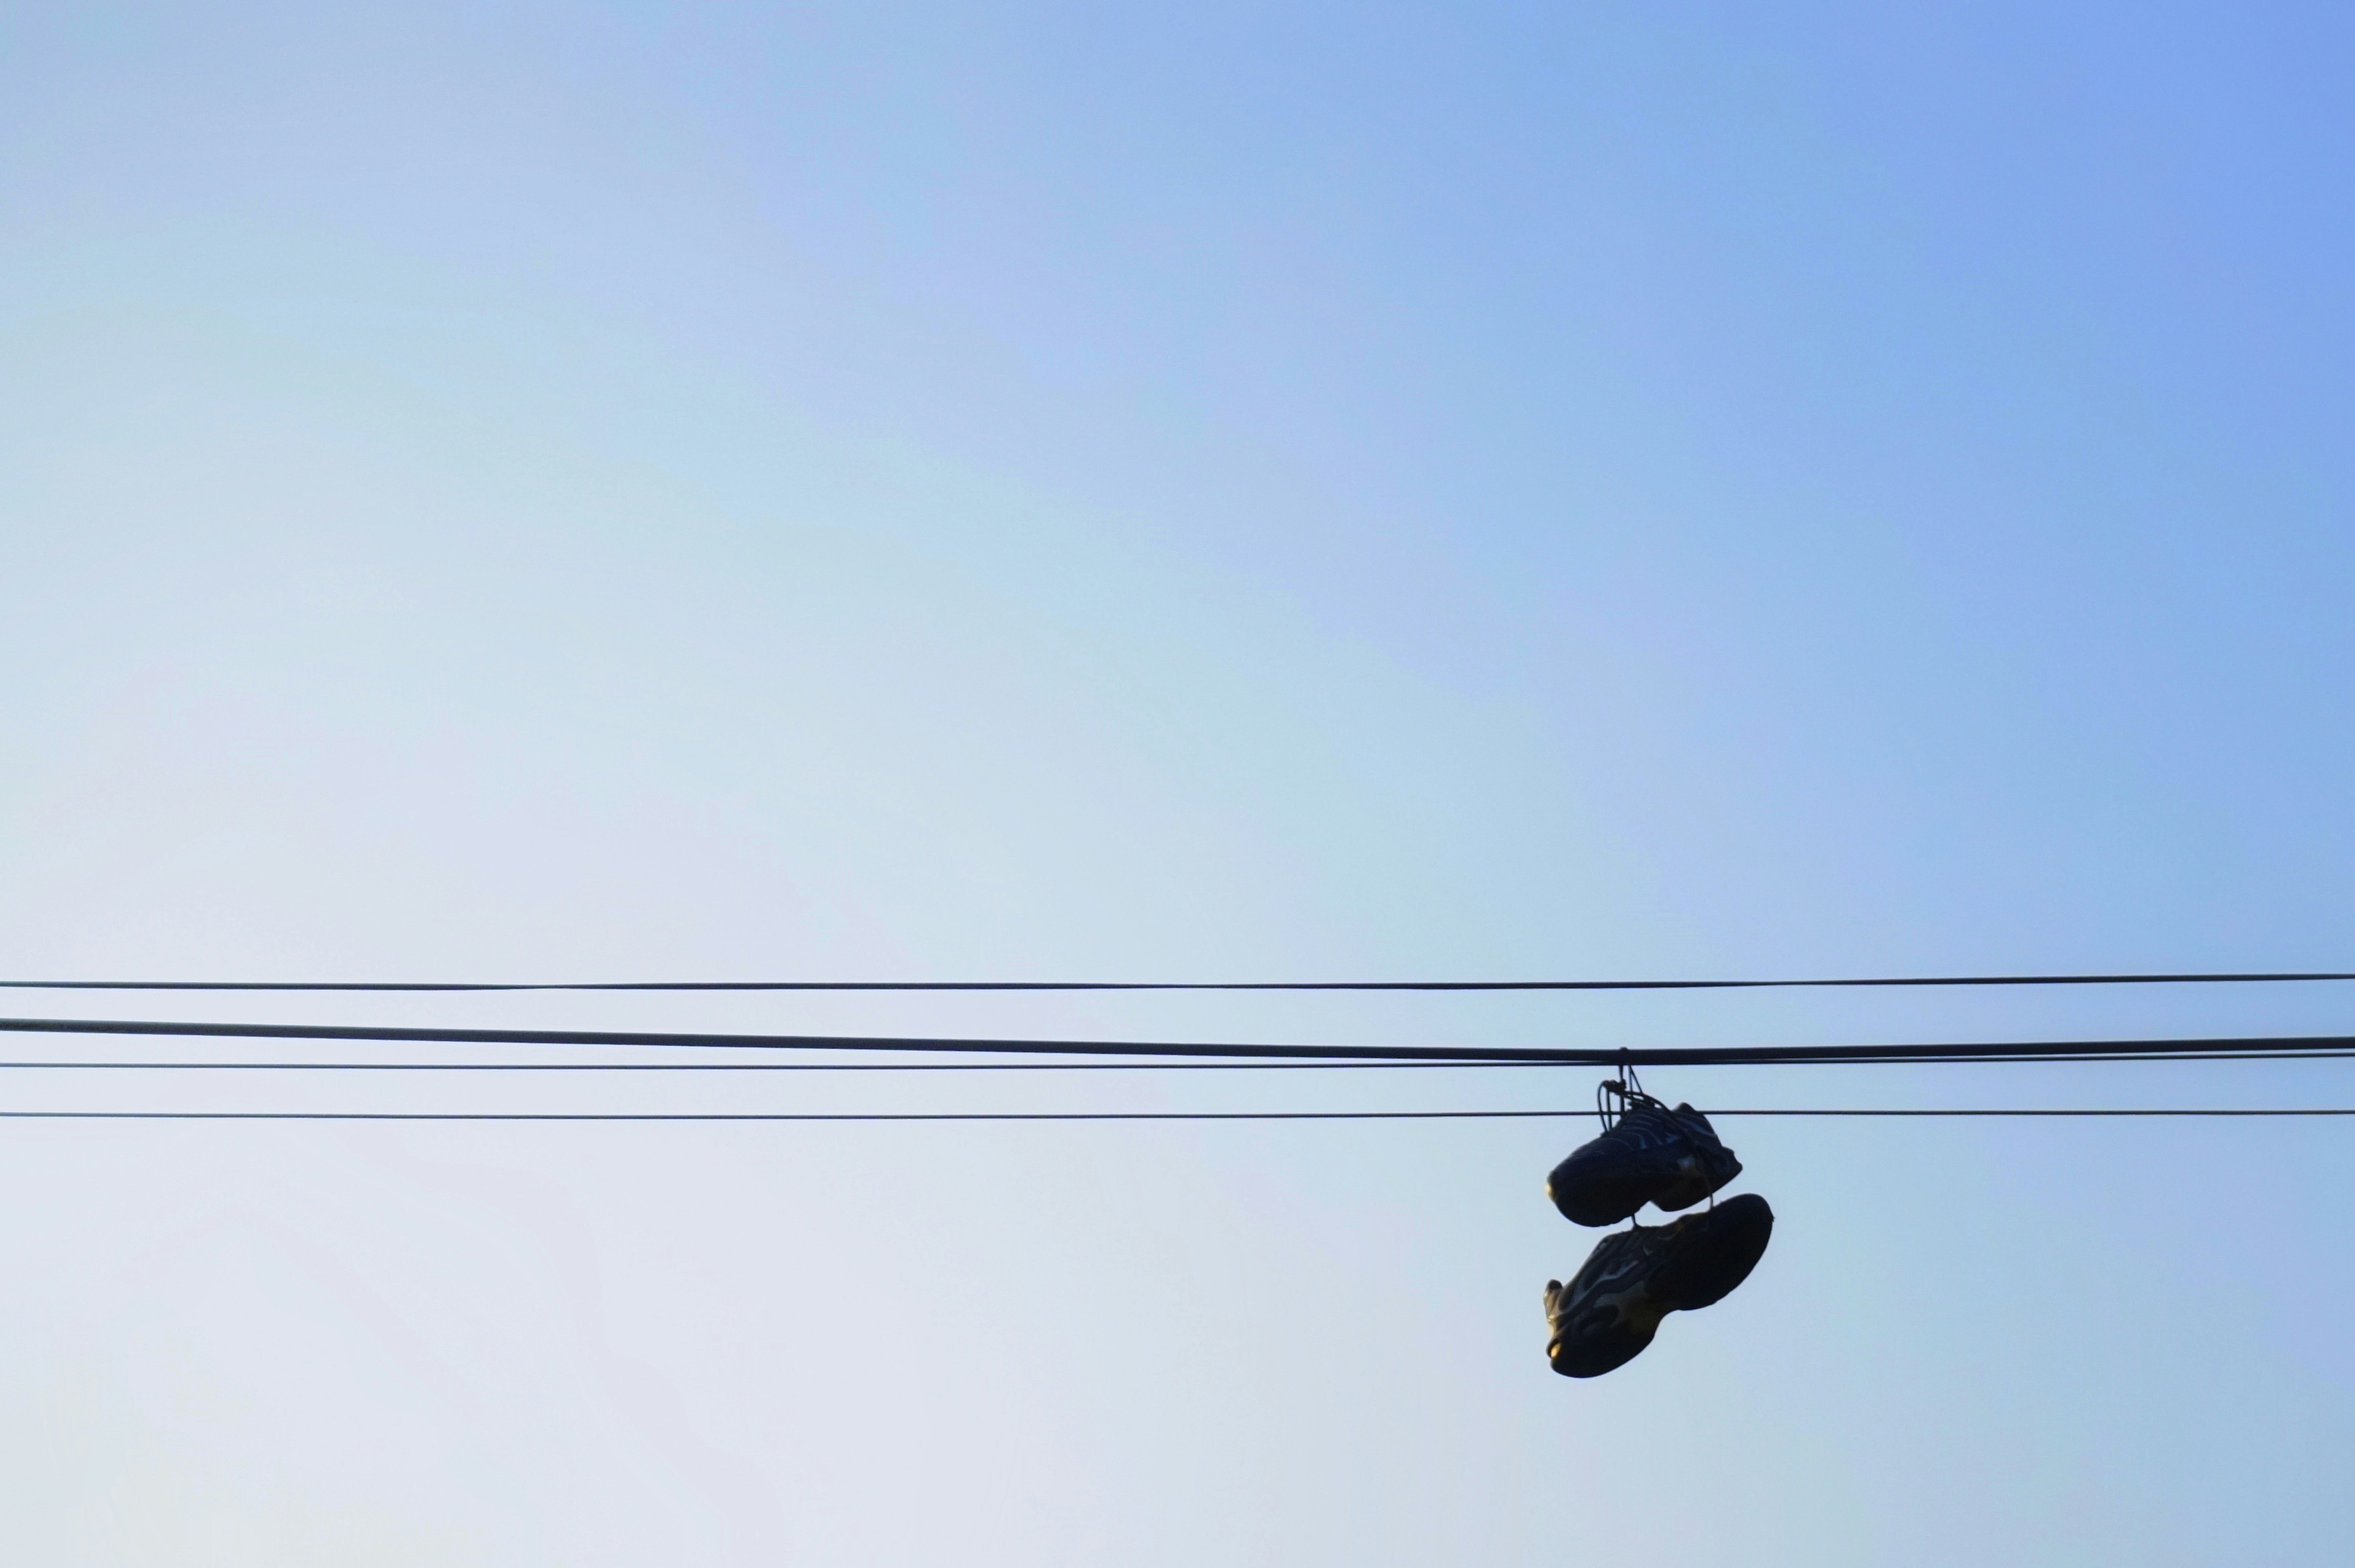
[
  {"x": 1605, "y": 1315},
  {"x": 1650, "y": 1155}
]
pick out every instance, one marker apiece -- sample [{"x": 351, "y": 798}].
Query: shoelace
[
  {"x": 1630, "y": 1095},
  {"x": 1628, "y": 1090}
]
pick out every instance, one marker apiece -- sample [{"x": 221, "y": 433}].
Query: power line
[
  {"x": 306, "y": 1066},
  {"x": 2219, "y": 978},
  {"x": 165, "y": 1064},
  {"x": 787, "y": 1116},
  {"x": 2067, "y": 1110},
  {"x": 2211, "y": 1047},
  {"x": 2203, "y": 1111}
]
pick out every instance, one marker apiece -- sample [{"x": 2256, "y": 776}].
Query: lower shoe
[
  {"x": 1650, "y": 1155},
  {"x": 1634, "y": 1277}
]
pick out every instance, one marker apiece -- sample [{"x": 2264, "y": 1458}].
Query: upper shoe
[
  {"x": 1651, "y": 1155},
  {"x": 1604, "y": 1318}
]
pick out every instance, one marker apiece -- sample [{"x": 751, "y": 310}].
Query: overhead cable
[
  {"x": 2203, "y": 1111},
  {"x": 168, "y": 1065},
  {"x": 2219, "y": 978},
  {"x": 165, "y": 1064},
  {"x": 1996, "y": 1051}
]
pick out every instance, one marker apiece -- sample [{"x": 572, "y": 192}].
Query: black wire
[
  {"x": 161, "y": 1064},
  {"x": 1107, "y": 1116},
  {"x": 2010, "y": 1050},
  {"x": 2071, "y": 1110},
  {"x": 2242, "y": 978},
  {"x": 778, "y": 1116},
  {"x": 165, "y": 1066}
]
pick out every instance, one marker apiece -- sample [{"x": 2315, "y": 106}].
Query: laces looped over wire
[{"x": 1615, "y": 1097}]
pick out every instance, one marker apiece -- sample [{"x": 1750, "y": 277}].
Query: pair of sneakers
[{"x": 1672, "y": 1158}]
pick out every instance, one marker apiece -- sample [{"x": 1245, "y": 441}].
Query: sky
[{"x": 613, "y": 491}]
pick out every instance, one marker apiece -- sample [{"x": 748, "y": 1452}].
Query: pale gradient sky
[{"x": 621, "y": 491}]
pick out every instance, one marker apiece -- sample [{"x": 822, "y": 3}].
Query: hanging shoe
[
  {"x": 1605, "y": 1317},
  {"x": 1650, "y": 1155}
]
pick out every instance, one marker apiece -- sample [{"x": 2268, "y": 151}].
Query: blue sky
[{"x": 619, "y": 492}]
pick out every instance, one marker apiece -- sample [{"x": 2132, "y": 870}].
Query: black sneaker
[
  {"x": 1605, "y": 1317},
  {"x": 1651, "y": 1155}
]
